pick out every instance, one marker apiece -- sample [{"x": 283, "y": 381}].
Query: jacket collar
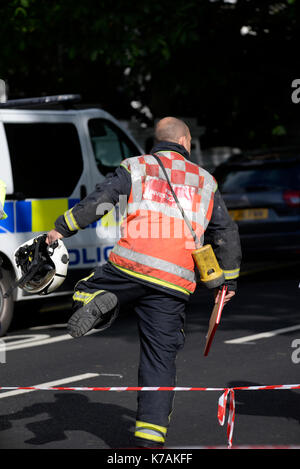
[{"x": 170, "y": 146}]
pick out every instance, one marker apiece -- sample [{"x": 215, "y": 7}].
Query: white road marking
[
  {"x": 49, "y": 326},
  {"x": 9, "y": 342},
  {"x": 58, "y": 382},
  {"x": 35, "y": 340},
  {"x": 111, "y": 374},
  {"x": 262, "y": 335}
]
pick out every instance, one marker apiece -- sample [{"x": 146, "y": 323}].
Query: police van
[{"x": 50, "y": 159}]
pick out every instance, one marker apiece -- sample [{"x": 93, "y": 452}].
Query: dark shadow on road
[
  {"x": 268, "y": 403},
  {"x": 111, "y": 423}
]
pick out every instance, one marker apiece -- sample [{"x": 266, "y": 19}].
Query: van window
[
  {"x": 110, "y": 145},
  {"x": 46, "y": 158}
]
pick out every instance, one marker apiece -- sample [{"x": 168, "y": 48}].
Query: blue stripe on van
[
  {"x": 73, "y": 202},
  {"x": 23, "y": 216}
]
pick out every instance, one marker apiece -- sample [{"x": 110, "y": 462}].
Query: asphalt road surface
[{"x": 38, "y": 351}]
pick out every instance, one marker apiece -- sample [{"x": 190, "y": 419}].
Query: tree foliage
[{"x": 229, "y": 64}]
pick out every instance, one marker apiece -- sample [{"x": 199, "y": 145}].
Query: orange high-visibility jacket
[{"x": 156, "y": 243}]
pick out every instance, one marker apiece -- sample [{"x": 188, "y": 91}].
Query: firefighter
[{"x": 151, "y": 265}]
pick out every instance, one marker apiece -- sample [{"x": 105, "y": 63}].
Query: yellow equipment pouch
[{"x": 211, "y": 274}]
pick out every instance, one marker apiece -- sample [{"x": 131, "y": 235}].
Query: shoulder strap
[{"x": 187, "y": 221}]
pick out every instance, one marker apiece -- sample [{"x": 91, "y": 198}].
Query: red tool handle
[{"x": 215, "y": 320}]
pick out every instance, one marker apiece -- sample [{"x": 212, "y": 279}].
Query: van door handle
[{"x": 83, "y": 192}]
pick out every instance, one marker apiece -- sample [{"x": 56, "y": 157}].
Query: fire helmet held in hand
[{"x": 42, "y": 267}]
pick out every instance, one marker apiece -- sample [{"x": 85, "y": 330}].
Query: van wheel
[{"x": 6, "y": 304}]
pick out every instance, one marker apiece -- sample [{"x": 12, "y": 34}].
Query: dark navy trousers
[{"x": 161, "y": 318}]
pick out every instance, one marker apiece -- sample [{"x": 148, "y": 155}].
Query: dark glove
[{"x": 231, "y": 285}]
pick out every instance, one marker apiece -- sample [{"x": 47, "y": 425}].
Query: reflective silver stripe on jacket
[
  {"x": 169, "y": 211},
  {"x": 154, "y": 262},
  {"x": 136, "y": 186},
  {"x": 70, "y": 221},
  {"x": 231, "y": 274}
]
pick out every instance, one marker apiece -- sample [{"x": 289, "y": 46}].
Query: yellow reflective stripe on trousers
[
  {"x": 85, "y": 298},
  {"x": 70, "y": 221},
  {"x": 84, "y": 279},
  {"x": 231, "y": 274},
  {"x": 150, "y": 431}
]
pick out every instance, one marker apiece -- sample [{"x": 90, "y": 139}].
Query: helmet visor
[{"x": 39, "y": 282}]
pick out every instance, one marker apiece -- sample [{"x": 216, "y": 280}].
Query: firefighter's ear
[{"x": 185, "y": 141}]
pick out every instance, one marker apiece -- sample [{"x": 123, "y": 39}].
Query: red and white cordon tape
[
  {"x": 222, "y": 403},
  {"x": 231, "y": 416}
]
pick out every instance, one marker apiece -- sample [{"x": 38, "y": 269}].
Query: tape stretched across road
[{"x": 222, "y": 403}]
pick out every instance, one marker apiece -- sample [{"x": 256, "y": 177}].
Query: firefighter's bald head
[{"x": 170, "y": 129}]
